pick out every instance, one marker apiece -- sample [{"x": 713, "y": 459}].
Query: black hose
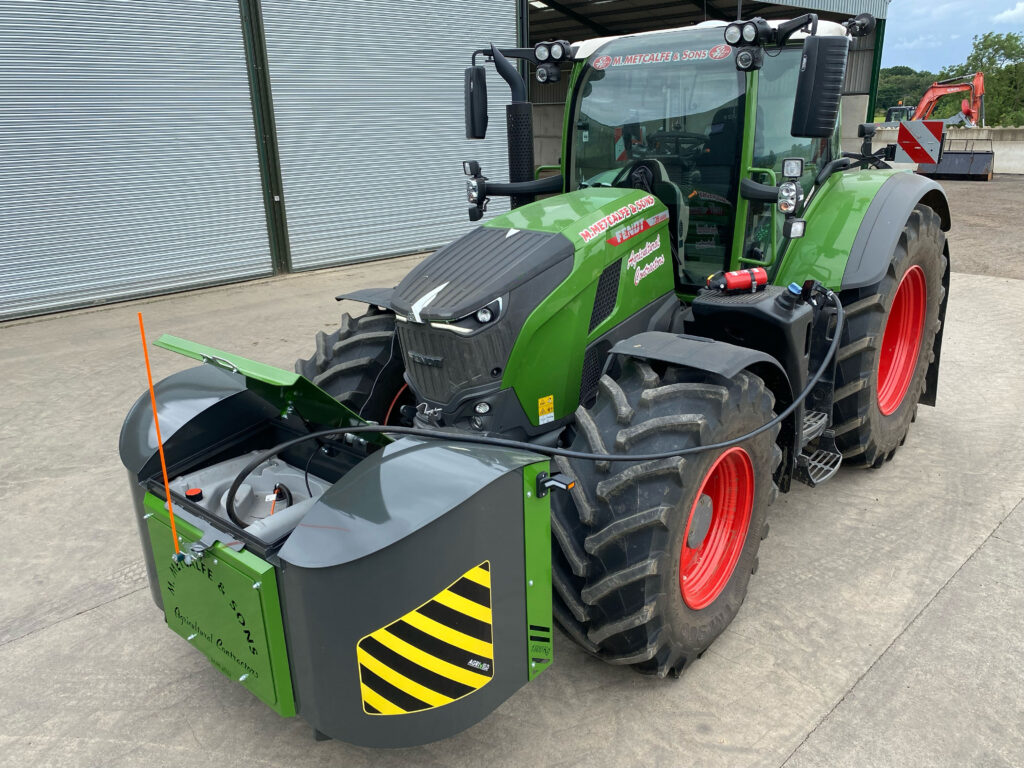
[{"x": 465, "y": 437}]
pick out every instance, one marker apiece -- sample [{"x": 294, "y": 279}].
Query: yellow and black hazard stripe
[{"x": 434, "y": 655}]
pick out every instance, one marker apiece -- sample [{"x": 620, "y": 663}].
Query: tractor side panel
[{"x": 622, "y": 265}]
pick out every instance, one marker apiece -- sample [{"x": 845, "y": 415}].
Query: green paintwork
[
  {"x": 286, "y": 390},
  {"x": 537, "y": 552},
  {"x": 876, "y": 65},
  {"x": 833, "y": 218},
  {"x": 574, "y": 77},
  {"x": 547, "y": 359},
  {"x": 739, "y": 239},
  {"x": 228, "y": 604}
]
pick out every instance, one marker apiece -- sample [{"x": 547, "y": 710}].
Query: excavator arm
[{"x": 973, "y": 108}]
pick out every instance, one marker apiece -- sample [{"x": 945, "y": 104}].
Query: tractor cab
[
  {"x": 729, "y": 126},
  {"x": 672, "y": 113}
]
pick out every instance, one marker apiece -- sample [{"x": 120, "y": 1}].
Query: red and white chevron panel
[{"x": 919, "y": 141}]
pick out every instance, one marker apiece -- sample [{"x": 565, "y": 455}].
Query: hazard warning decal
[
  {"x": 433, "y": 655},
  {"x": 919, "y": 141}
]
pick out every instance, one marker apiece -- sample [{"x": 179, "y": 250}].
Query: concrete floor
[{"x": 883, "y": 628}]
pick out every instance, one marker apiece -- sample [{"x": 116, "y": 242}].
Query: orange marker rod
[{"x": 159, "y": 440}]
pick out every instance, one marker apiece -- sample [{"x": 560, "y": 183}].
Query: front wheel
[
  {"x": 651, "y": 559},
  {"x": 888, "y": 343},
  {"x": 361, "y": 365}
]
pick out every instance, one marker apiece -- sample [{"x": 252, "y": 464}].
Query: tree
[
  {"x": 896, "y": 84},
  {"x": 1001, "y": 58}
]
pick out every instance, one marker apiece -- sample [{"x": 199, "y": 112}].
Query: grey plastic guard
[
  {"x": 692, "y": 351},
  {"x": 393, "y": 493}
]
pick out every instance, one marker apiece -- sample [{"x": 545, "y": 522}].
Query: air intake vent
[
  {"x": 607, "y": 293},
  {"x": 591, "y": 372}
]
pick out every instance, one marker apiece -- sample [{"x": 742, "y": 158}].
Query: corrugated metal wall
[
  {"x": 860, "y": 64},
  {"x": 369, "y": 109},
  {"x": 127, "y": 153}
]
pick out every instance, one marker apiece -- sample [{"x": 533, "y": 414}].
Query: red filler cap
[{"x": 194, "y": 494}]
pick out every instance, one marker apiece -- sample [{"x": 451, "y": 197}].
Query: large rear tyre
[
  {"x": 888, "y": 343},
  {"x": 651, "y": 560},
  {"x": 361, "y": 365}
]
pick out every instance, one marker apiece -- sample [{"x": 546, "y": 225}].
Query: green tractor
[{"x": 580, "y": 410}]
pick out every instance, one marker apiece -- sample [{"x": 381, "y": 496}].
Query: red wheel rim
[
  {"x": 705, "y": 569},
  {"x": 901, "y": 340}
]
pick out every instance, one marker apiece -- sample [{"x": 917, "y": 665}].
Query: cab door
[{"x": 759, "y": 240}]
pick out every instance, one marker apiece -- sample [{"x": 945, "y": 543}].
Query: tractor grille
[{"x": 442, "y": 363}]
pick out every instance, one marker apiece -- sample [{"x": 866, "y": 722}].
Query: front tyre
[
  {"x": 651, "y": 559},
  {"x": 888, "y": 343},
  {"x": 361, "y": 365}
]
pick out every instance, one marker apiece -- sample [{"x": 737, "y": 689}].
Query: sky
[{"x": 929, "y": 35}]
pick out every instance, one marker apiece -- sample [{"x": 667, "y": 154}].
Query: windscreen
[{"x": 669, "y": 105}]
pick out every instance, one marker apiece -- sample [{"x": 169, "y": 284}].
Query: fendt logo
[
  {"x": 602, "y": 62},
  {"x": 720, "y": 51},
  {"x": 431, "y": 360}
]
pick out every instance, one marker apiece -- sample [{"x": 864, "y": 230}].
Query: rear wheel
[
  {"x": 361, "y": 365},
  {"x": 651, "y": 560},
  {"x": 888, "y": 344}
]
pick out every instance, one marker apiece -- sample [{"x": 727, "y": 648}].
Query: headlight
[
  {"x": 787, "y": 197},
  {"x": 472, "y": 190},
  {"x": 732, "y": 34},
  {"x": 542, "y": 52},
  {"x": 794, "y": 228},
  {"x": 556, "y": 51},
  {"x": 792, "y": 168},
  {"x": 749, "y": 32},
  {"x": 484, "y": 315}
]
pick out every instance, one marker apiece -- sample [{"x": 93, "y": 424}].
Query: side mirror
[
  {"x": 476, "y": 102},
  {"x": 820, "y": 86}
]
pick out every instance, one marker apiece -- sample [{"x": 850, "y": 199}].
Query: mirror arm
[
  {"x": 543, "y": 186},
  {"x": 839, "y": 164},
  {"x": 786, "y": 30}
]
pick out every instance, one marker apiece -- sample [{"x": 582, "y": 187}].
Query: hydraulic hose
[{"x": 465, "y": 437}]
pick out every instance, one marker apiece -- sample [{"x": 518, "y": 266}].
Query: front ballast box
[{"x": 389, "y": 593}]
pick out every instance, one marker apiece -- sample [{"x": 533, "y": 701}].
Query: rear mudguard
[
  {"x": 726, "y": 360},
  {"x": 853, "y": 225}
]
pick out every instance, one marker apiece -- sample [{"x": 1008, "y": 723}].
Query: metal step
[
  {"x": 815, "y": 468},
  {"x": 814, "y": 424}
]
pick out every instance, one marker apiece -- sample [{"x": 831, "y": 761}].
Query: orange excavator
[
  {"x": 972, "y": 110},
  {"x": 962, "y": 157}
]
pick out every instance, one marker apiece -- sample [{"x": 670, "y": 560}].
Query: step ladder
[{"x": 819, "y": 459}]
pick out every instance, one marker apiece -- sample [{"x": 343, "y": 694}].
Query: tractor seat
[{"x": 652, "y": 176}]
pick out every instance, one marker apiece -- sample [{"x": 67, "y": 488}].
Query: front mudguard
[{"x": 725, "y": 360}]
